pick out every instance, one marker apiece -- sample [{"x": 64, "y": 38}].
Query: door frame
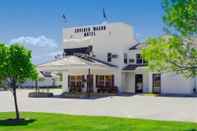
[
  {"x": 137, "y": 81},
  {"x": 153, "y": 86}
]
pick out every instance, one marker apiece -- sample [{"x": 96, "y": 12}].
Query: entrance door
[
  {"x": 138, "y": 83},
  {"x": 156, "y": 83}
]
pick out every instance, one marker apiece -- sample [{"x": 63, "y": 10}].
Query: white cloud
[{"x": 42, "y": 48}]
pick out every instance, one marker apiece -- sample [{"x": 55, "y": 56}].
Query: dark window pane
[
  {"x": 109, "y": 57},
  {"x": 139, "y": 59},
  {"x": 125, "y": 58}
]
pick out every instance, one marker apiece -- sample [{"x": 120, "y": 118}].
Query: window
[
  {"x": 156, "y": 83},
  {"x": 114, "y": 56},
  {"x": 131, "y": 60},
  {"x": 100, "y": 81},
  {"x": 109, "y": 57},
  {"x": 109, "y": 81},
  {"x": 95, "y": 28},
  {"x": 76, "y": 82},
  {"x": 104, "y": 81},
  {"x": 89, "y": 29},
  {"x": 125, "y": 58},
  {"x": 139, "y": 59}
]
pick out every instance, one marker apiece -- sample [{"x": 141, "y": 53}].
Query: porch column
[
  {"x": 94, "y": 83},
  {"x": 150, "y": 82},
  {"x": 65, "y": 81},
  {"x": 118, "y": 80}
]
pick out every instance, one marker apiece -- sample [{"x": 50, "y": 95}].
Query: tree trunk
[{"x": 15, "y": 100}]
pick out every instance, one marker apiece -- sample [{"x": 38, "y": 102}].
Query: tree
[
  {"x": 3, "y": 62},
  {"x": 176, "y": 51},
  {"x": 16, "y": 67},
  {"x": 181, "y": 16}
]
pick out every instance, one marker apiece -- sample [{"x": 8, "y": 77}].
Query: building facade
[{"x": 106, "y": 58}]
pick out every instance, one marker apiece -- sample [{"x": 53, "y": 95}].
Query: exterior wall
[
  {"x": 41, "y": 83},
  {"x": 172, "y": 83},
  {"x": 116, "y": 73},
  {"x": 132, "y": 55},
  {"x": 125, "y": 81},
  {"x": 116, "y": 39},
  {"x": 128, "y": 82}
]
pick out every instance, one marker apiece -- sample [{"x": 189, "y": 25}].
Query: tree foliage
[
  {"x": 172, "y": 54},
  {"x": 177, "y": 51},
  {"x": 181, "y": 15},
  {"x": 16, "y": 67}
]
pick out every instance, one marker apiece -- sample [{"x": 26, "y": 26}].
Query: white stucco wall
[
  {"x": 116, "y": 39},
  {"x": 172, "y": 83},
  {"x": 45, "y": 82},
  {"x": 128, "y": 82}
]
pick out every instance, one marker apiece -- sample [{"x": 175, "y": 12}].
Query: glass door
[
  {"x": 156, "y": 83},
  {"x": 138, "y": 83}
]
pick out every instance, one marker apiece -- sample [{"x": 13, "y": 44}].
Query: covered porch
[
  {"x": 84, "y": 74},
  {"x": 138, "y": 79}
]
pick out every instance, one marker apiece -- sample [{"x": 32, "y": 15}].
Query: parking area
[{"x": 137, "y": 106}]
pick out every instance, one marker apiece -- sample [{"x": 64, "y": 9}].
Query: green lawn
[{"x": 60, "y": 122}]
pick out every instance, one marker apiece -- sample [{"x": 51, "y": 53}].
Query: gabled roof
[{"x": 74, "y": 61}]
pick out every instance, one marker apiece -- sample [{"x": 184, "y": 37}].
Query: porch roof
[
  {"x": 133, "y": 66},
  {"x": 73, "y": 61}
]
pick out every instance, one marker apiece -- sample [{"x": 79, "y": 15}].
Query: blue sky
[{"x": 40, "y": 20}]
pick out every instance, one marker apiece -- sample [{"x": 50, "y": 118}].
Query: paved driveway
[{"x": 148, "y": 107}]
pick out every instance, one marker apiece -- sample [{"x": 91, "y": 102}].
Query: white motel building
[{"x": 106, "y": 58}]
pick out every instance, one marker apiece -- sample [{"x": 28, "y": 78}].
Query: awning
[{"x": 133, "y": 66}]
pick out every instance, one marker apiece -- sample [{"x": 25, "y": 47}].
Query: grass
[{"x": 60, "y": 122}]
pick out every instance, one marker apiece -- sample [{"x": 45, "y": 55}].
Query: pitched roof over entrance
[{"x": 74, "y": 62}]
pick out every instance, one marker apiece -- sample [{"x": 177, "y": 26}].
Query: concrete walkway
[{"x": 147, "y": 107}]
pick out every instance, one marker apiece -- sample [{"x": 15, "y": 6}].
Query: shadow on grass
[
  {"x": 14, "y": 122},
  {"x": 192, "y": 130}
]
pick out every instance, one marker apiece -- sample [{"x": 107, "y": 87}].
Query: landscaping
[{"x": 61, "y": 122}]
